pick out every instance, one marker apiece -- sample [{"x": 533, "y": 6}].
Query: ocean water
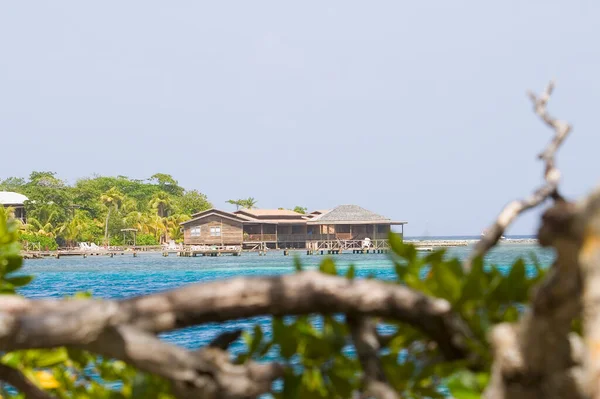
[{"x": 125, "y": 276}]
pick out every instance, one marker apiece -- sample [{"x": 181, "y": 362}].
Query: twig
[
  {"x": 15, "y": 378},
  {"x": 548, "y": 190},
  {"x": 366, "y": 342}
]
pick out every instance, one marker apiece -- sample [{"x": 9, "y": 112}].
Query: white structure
[{"x": 15, "y": 201}]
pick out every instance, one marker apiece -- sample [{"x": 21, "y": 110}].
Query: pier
[{"x": 324, "y": 247}]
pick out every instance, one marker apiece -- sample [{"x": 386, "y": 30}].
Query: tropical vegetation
[{"x": 97, "y": 209}]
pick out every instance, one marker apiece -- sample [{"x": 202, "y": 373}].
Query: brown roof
[
  {"x": 278, "y": 221},
  {"x": 316, "y": 213},
  {"x": 269, "y": 212},
  {"x": 351, "y": 214},
  {"x": 218, "y": 212},
  {"x": 321, "y": 211}
]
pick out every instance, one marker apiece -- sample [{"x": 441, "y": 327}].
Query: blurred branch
[
  {"x": 539, "y": 357},
  {"x": 366, "y": 343},
  {"x": 548, "y": 190},
  {"x": 15, "y": 378},
  {"x": 54, "y": 323}
]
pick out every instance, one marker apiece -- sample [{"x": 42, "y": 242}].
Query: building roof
[
  {"x": 269, "y": 212},
  {"x": 276, "y": 221},
  {"x": 11, "y": 198},
  {"x": 351, "y": 214},
  {"x": 316, "y": 213},
  {"x": 213, "y": 211}
]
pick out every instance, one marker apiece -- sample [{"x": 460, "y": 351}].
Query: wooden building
[
  {"x": 213, "y": 227},
  {"x": 14, "y": 201},
  {"x": 280, "y": 228}
]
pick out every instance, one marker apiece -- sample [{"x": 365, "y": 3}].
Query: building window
[
  {"x": 215, "y": 232},
  {"x": 195, "y": 232}
]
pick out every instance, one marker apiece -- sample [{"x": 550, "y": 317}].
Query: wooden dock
[
  {"x": 209, "y": 252},
  {"x": 324, "y": 247}
]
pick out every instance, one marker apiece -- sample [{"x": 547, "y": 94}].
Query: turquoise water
[{"x": 126, "y": 276}]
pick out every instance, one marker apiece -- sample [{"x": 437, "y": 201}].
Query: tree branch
[
  {"x": 15, "y": 378},
  {"x": 206, "y": 373},
  {"x": 539, "y": 357},
  {"x": 366, "y": 342},
  {"x": 72, "y": 322},
  {"x": 589, "y": 262},
  {"x": 548, "y": 190}
]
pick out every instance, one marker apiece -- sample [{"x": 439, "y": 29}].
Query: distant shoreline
[{"x": 462, "y": 242}]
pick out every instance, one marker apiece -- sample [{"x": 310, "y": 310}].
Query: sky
[{"x": 416, "y": 110}]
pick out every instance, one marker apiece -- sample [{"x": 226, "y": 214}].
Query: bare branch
[
  {"x": 548, "y": 190},
  {"x": 589, "y": 262},
  {"x": 538, "y": 357},
  {"x": 15, "y": 378},
  {"x": 366, "y": 342},
  {"x": 207, "y": 373},
  {"x": 28, "y": 324}
]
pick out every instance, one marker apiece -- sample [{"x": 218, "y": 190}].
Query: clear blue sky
[{"x": 413, "y": 109}]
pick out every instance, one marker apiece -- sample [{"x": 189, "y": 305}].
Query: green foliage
[
  {"x": 37, "y": 241},
  {"x": 67, "y": 373},
  {"x": 192, "y": 202},
  {"x": 146, "y": 239},
  {"x": 300, "y": 209},
  {"x": 247, "y": 203},
  {"x": 96, "y": 209},
  {"x": 10, "y": 258}
]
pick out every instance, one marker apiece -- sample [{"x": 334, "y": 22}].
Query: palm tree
[
  {"x": 172, "y": 223},
  {"x": 136, "y": 220},
  {"x": 249, "y": 203},
  {"x": 156, "y": 225},
  {"x": 237, "y": 203},
  {"x": 112, "y": 199},
  {"x": 71, "y": 230},
  {"x": 161, "y": 202},
  {"x": 42, "y": 227}
]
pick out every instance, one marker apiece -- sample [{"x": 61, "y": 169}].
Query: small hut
[{"x": 16, "y": 202}]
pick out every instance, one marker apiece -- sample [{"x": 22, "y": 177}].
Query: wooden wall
[{"x": 231, "y": 231}]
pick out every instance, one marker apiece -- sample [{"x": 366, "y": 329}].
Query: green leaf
[
  {"x": 511, "y": 314},
  {"x": 328, "y": 267},
  {"x": 14, "y": 262},
  {"x": 516, "y": 281},
  {"x": 341, "y": 383},
  {"x": 449, "y": 284},
  {"x": 404, "y": 251},
  {"x": 284, "y": 337},
  {"x": 312, "y": 380},
  {"x": 291, "y": 383},
  {"x": 465, "y": 385},
  {"x": 475, "y": 284},
  {"x": 351, "y": 272},
  {"x": 79, "y": 357},
  {"x": 50, "y": 358},
  {"x": 297, "y": 263},
  {"x": 19, "y": 281},
  {"x": 12, "y": 359},
  {"x": 435, "y": 257},
  {"x": 256, "y": 339}
]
